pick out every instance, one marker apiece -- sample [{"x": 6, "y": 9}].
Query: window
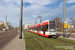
[
  {"x": 35, "y": 27},
  {"x": 41, "y": 28},
  {"x": 47, "y": 27},
  {"x": 52, "y": 26}
]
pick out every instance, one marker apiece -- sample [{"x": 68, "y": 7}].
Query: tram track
[
  {"x": 63, "y": 42},
  {"x": 46, "y": 43},
  {"x": 67, "y": 41},
  {"x": 35, "y": 42},
  {"x": 43, "y": 42}
]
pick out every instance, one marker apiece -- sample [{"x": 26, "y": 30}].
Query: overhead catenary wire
[
  {"x": 42, "y": 10},
  {"x": 34, "y": 6},
  {"x": 52, "y": 7},
  {"x": 37, "y": 7},
  {"x": 43, "y": 6}
]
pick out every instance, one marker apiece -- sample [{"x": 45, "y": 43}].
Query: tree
[
  {"x": 59, "y": 23},
  {"x": 72, "y": 21}
]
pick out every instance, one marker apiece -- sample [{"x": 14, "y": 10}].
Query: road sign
[{"x": 65, "y": 24}]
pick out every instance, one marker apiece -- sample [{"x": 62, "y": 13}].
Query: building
[
  {"x": 25, "y": 27},
  {"x": 70, "y": 26},
  {"x": 4, "y": 24}
]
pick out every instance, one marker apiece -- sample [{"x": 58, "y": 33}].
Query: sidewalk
[
  {"x": 66, "y": 33},
  {"x": 68, "y": 38},
  {"x": 16, "y": 44}
]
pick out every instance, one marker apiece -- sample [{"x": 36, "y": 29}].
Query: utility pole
[
  {"x": 20, "y": 27},
  {"x": 65, "y": 23},
  {"x": 6, "y": 21}
]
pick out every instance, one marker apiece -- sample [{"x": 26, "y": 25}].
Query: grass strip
[
  {"x": 72, "y": 41},
  {"x": 30, "y": 45},
  {"x": 53, "y": 43}
]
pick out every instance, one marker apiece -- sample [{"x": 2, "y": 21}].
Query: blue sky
[{"x": 48, "y": 9}]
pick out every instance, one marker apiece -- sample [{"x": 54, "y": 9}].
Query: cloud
[
  {"x": 12, "y": 9},
  {"x": 41, "y": 2},
  {"x": 70, "y": 1}
]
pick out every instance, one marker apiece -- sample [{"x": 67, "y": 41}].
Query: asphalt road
[{"x": 6, "y": 37}]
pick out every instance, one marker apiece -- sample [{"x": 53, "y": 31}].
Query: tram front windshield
[{"x": 52, "y": 26}]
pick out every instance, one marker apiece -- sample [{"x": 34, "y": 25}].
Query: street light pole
[
  {"x": 6, "y": 21},
  {"x": 20, "y": 27},
  {"x": 64, "y": 34}
]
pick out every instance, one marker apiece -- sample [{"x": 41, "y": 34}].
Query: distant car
[{"x": 4, "y": 29}]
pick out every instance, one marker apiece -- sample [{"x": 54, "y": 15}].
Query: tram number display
[{"x": 52, "y": 23}]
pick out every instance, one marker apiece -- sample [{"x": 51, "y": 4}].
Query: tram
[{"x": 46, "y": 28}]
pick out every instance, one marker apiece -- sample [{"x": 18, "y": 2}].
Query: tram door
[
  {"x": 37, "y": 29},
  {"x": 44, "y": 29}
]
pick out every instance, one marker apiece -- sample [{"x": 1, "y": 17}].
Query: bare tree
[
  {"x": 59, "y": 23},
  {"x": 72, "y": 21}
]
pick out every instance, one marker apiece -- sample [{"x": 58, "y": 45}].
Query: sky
[{"x": 48, "y": 9}]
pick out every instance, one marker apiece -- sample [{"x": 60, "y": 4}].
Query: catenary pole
[
  {"x": 20, "y": 27},
  {"x": 64, "y": 34}
]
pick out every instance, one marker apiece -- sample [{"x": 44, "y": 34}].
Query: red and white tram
[{"x": 46, "y": 28}]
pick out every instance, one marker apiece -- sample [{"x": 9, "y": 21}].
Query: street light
[{"x": 6, "y": 22}]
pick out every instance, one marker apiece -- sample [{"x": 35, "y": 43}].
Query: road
[
  {"x": 6, "y": 37},
  {"x": 72, "y": 35}
]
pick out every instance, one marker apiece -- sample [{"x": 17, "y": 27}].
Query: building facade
[
  {"x": 25, "y": 27},
  {"x": 4, "y": 24}
]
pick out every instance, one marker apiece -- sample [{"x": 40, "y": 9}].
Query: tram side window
[
  {"x": 32, "y": 28},
  {"x": 35, "y": 28},
  {"x": 47, "y": 27},
  {"x": 41, "y": 28}
]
